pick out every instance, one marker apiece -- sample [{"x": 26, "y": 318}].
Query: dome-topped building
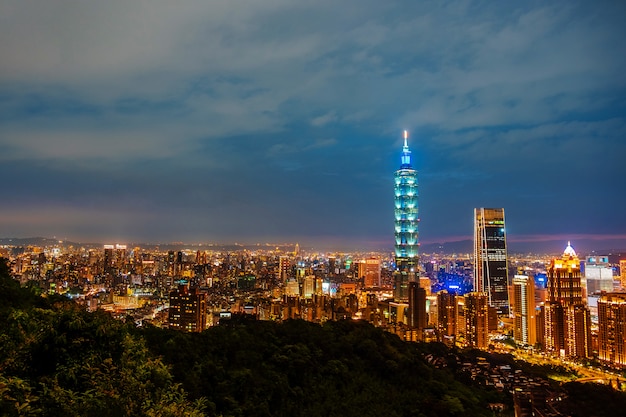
[
  {"x": 567, "y": 318},
  {"x": 569, "y": 251}
]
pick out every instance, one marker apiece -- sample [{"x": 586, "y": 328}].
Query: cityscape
[
  {"x": 562, "y": 309},
  {"x": 276, "y": 208}
]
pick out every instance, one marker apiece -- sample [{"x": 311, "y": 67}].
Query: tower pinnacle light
[{"x": 406, "y": 153}]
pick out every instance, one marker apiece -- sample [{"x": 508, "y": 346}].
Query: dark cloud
[{"x": 279, "y": 120}]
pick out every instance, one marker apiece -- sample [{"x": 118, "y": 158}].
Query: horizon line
[{"x": 332, "y": 240}]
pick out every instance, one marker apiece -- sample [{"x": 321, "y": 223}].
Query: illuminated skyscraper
[
  {"x": 612, "y": 328},
  {"x": 567, "y": 319},
  {"x": 446, "y": 316},
  {"x": 332, "y": 265},
  {"x": 187, "y": 309},
  {"x": 524, "y": 316},
  {"x": 308, "y": 287},
  {"x": 476, "y": 320},
  {"x": 120, "y": 256},
  {"x": 406, "y": 224},
  {"x": 284, "y": 268},
  {"x": 554, "y": 327},
  {"x": 564, "y": 279},
  {"x": 171, "y": 258},
  {"x": 109, "y": 258},
  {"x": 490, "y": 258},
  {"x": 417, "y": 319},
  {"x": 372, "y": 272},
  {"x": 578, "y": 321}
]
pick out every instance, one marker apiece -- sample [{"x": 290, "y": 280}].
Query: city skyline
[{"x": 283, "y": 122}]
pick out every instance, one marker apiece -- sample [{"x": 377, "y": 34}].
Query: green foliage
[
  {"x": 82, "y": 364},
  {"x": 16, "y": 397},
  {"x": 297, "y": 368},
  {"x": 11, "y": 294},
  {"x": 61, "y": 360},
  {"x": 591, "y": 399}
]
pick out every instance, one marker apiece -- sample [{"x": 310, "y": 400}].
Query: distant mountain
[
  {"x": 582, "y": 247},
  {"x": 459, "y": 246},
  {"x": 614, "y": 247},
  {"x": 231, "y": 247},
  {"x": 34, "y": 241}
]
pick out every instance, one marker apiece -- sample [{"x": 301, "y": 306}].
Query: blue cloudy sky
[{"x": 275, "y": 120}]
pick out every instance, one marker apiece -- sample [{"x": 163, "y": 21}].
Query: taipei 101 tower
[{"x": 406, "y": 222}]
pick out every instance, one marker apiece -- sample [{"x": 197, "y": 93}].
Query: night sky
[{"x": 281, "y": 121}]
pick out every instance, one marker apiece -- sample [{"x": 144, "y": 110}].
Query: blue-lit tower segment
[{"x": 406, "y": 219}]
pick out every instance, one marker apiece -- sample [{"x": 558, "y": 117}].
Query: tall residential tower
[
  {"x": 490, "y": 259},
  {"x": 524, "y": 314},
  {"x": 612, "y": 328},
  {"x": 567, "y": 328},
  {"x": 406, "y": 222}
]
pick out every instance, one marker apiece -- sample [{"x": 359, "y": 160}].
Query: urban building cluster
[{"x": 568, "y": 307}]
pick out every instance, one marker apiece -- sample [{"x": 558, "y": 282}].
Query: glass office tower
[{"x": 490, "y": 258}]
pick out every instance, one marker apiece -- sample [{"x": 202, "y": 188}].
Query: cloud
[
  {"x": 215, "y": 102},
  {"x": 322, "y": 143},
  {"x": 550, "y": 144},
  {"x": 324, "y": 119},
  {"x": 454, "y": 67},
  {"x": 526, "y": 68}
]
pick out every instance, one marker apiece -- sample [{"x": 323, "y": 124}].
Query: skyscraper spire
[{"x": 406, "y": 153}]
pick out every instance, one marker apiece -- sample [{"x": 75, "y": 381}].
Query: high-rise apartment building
[
  {"x": 109, "y": 259},
  {"x": 446, "y": 317},
  {"x": 187, "y": 309},
  {"x": 372, "y": 272},
  {"x": 332, "y": 265},
  {"x": 292, "y": 288},
  {"x": 120, "y": 256},
  {"x": 524, "y": 316},
  {"x": 417, "y": 318},
  {"x": 284, "y": 268},
  {"x": 554, "y": 328},
  {"x": 171, "y": 261},
  {"x": 406, "y": 224},
  {"x": 490, "y": 257},
  {"x": 578, "y": 332},
  {"x": 426, "y": 285},
  {"x": 115, "y": 259},
  {"x": 612, "y": 328},
  {"x": 308, "y": 286},
  {"x": 476, "y": 319}
]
